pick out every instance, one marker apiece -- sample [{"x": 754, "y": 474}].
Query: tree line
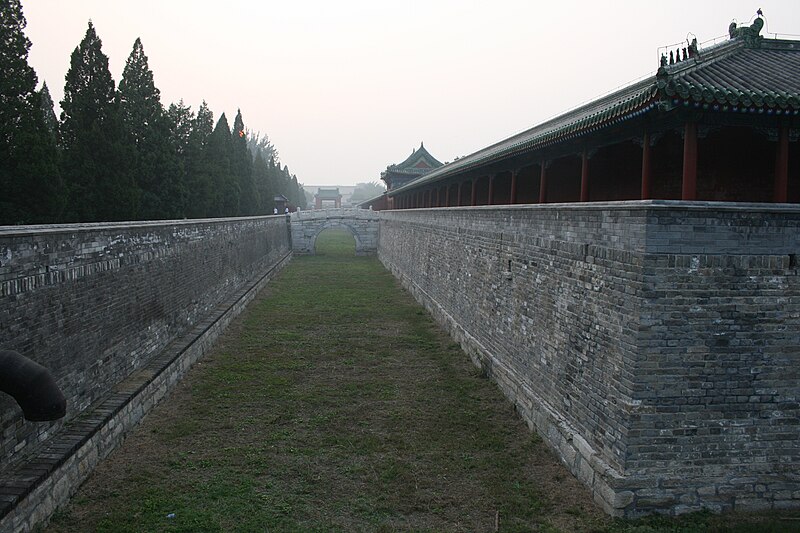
[{"x": 115, "y": 152}]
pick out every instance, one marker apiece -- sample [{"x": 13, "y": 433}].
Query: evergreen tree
[
  {"x": 199, "y": 181},
  {"x": 224, "y": 184},
  {"x": 48, "y": 114},
  {"x": 263, "y": 184},
  {"x": 181, "y": 119},
  {"x": 97, "y": 154},
  {"x": 18, "y": 79},
  {"x": 157, "y": 169},
  {"x": 273, "y": 178},
  {"x": 88, "y": 91},
  {"x": 261, "y": 145},
  {"x": 242, "y": 168},
  {"x": 29, "y": 177},
  {"x": 299, "y": 195}
]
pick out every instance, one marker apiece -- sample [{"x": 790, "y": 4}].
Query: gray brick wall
[
  {"x": 94, "y": 302},
  {"x": 650, "y": 343}
]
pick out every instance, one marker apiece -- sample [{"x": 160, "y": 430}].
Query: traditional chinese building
[
  {"x": 418, "y": 164},
  {"x": 327, "y": 194},
  {"x": 717, "y": 123}
]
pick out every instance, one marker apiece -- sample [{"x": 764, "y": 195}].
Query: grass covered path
[{"x": 333, "y": 404}]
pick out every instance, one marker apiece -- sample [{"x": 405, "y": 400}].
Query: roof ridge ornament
[
  {"x": 677, "y": 56},
  {"x": 749, "y": 34}
]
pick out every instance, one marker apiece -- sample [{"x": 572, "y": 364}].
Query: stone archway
[{"x": 362, "y": 223}]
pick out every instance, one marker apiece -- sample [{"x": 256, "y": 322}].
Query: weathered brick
[{"x": 662, "y": 333}]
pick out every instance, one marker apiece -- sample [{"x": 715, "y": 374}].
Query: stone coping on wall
[
  {"x": 336, "y": 212},
  {"x": 47, "y": 229},
  {"x": 677, "y": 226},
  {"x": 640, "y": 204},
  {"x": 33, "y": 487}
]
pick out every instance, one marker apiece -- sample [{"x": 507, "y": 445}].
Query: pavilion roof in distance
[{"x": 418, "y": 163}]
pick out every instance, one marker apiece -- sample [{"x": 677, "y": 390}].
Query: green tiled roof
[
  {"x": 767, "y": 77},
  {"x": 409, "y": 165},
  {"x": 739, "y": 75}
]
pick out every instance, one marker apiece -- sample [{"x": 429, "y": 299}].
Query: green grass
[{"x": 335, "y": 404}]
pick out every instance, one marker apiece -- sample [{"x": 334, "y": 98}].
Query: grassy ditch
[{"x": 335, "y": 404}]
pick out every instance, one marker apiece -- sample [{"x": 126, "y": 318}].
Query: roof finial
[{"x": 421, "y": 144}]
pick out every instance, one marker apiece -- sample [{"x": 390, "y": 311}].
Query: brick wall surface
[
  {"x": 95, "y": 302},
  {"x": 650, "y": 343}
]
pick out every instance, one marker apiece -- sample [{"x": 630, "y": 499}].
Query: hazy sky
[{"x": 344, "y": 88}]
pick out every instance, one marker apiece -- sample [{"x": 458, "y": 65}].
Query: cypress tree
[
  {"x": 199, "y": 180},
  {"x": 29, "y": 177},
  {"x": 157, "y": 169},
  {"x": 224, "y": 183},
  {"x": 48, "y": 114},
  {"x": 98, "y": 155},
  {"x": 179, "y": 118},
  {"x": 242, "y": 168},
  {"x": 299, "y": 195},
  {"x": 263, "y": 184}
]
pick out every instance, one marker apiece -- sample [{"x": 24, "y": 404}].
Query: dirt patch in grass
[{"x": 334, "y": 404}]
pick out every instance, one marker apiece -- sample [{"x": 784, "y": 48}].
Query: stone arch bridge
[{"x": 362, "y": 223}]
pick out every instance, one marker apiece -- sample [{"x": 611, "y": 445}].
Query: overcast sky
[{"x": 345, "y": 88}]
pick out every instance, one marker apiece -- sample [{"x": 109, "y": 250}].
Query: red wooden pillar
[
  {"x": 447, "y": 197},
  {"x": 646, "y": 166},
  {"x": 781, "y": 194},
  {"x": 584, "y": 176},
  {"x": 491, "y": 190},
  {"x": 689, "y": 189},
  {"x": 543, "y": 183},
  {"x": 458, "y": 198},
  {"x": 513, "y": 198},
  {"x": 474, "y": 191}
]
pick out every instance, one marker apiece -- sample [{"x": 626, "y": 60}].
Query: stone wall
[
  {"x": 652, "y": 344},
  {"x": 96, "y": 302},
  {"x": 363, "y": 224}
]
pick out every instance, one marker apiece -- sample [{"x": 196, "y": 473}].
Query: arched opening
[
  {"x": 735, "y": 165},
  {"x": 452, "y": 195},
  {"x": 335, "y": 240},
  {"x": 564, "y": 180},
  {"x": 615, "y": 173},
  {"x": 501, "y": 185},
  {"x": 528, "y": 184},
  {"x": 466, "y": 193},
  {"x": 482, "y": 190},
  {"x": 666, "y": 169}
]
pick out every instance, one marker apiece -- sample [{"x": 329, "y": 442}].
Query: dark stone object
[{"x": 32, "y": 386}]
